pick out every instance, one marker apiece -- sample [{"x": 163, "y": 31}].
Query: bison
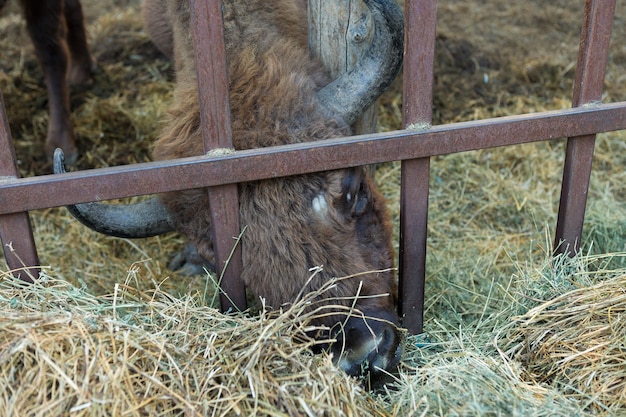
[
  {"x": 57, "y": 31},
  {"x": 335, "y": 219}
]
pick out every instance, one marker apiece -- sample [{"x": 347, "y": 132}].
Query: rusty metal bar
[
  {"x": 16, "y": 232},
  {"x": 23, "y": 194},
  {"x": 212, "y": 73},
  {"x": 420, "y": 30},
  {"x": 592, "y": 60}
]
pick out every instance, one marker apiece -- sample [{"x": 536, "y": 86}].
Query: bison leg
[
  {"x": 157, "y": 25},
  {"x": 81, "y": 63},
  {"x": 46, "y": 24}
]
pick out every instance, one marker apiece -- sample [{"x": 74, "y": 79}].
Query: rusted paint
[
  {"x": 419, "y": 56},
  {"x": 211, "y": 68},
  {"x": 420, "y": 29},
  {"x": 16, "y": 232},
  {"x": 592, "y": 60}
]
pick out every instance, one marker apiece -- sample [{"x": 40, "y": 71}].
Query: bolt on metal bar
[
  {"x": 16, "y": 232},
  {"x": 420, "y": 31},
  {"x": 592, "y": 60},
  {"x": 212, "y": 74}
]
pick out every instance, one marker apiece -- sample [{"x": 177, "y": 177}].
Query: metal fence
[{"x": 414, "y": 145}]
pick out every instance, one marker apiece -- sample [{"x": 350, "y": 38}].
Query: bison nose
[{"x": 367, "y": 345}]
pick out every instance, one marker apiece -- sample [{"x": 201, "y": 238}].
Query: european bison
[
  {"x": 337, "y": 219},
  {"x": 57, "y": 31}
]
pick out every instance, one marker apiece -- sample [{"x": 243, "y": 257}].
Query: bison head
[{"x": 334, "y": 220}]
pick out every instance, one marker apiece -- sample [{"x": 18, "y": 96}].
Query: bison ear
[{"x": 355, "y": 194}]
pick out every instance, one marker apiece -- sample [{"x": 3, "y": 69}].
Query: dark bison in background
[{"x": 57, "y": 30}]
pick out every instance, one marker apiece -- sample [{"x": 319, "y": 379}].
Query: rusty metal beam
[
  {"x": 212, "y": 74},
  {"x": 420, "y": 30},
  {"x": 24, "y": 194},
  {"x": 16, "y": 232},
  {"x": 592, "y": 60}
]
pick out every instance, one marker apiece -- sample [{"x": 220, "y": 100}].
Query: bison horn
[
  {"x": 143, "y": 219},
  {"x": 352, "y": 93}
]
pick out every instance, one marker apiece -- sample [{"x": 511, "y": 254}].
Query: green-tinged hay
[
  {"x": 474, "y": 383},
  {"x": 66, "y": 352},
  {"x": 577, "y": 342}
]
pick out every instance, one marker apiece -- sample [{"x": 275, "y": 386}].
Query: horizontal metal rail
[{"x": 25, "y": 194}]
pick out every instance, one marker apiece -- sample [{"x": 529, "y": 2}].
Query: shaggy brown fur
[
  {"x": 57, "y": 30},
  {"x": 273, "y": 84}
]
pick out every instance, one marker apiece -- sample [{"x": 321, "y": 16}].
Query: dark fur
[
  {"x": 57, "y": 31},
  {"x": 273, "y": 82}
]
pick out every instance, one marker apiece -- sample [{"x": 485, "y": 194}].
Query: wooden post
[{"x": 340, "y": 31}]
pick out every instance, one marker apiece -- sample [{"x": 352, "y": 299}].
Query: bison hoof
[
  {"x": 189, "y": 262},
  {"x": 80, "y": 74}
]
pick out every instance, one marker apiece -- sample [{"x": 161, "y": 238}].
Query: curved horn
[
  {"x": 145, "y": 219},
  {"x": 353, "y": 92}
]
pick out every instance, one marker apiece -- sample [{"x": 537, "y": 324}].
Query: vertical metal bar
[
  {"x": 212, "y": 72},
  {"x": 592, "y": 61},
  {"x": 420, "y": 30},
  {"x": 16, "y": 232}
]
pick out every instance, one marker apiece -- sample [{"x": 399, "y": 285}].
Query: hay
[
  {"x": 577, "y": 341},
  {"x": 470, "y": 383},
  {"x": 64, "y": 351},
  {"x": 466, "y": 366}
]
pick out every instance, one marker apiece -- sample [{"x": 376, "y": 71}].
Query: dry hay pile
[
  {"x": 64, "y": 351},
  {"x": 577, "y": 341}
]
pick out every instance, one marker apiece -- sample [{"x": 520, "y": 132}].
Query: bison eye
[
  {"x": 361, "y": 203},
  {"x": 355, "y": 192}
]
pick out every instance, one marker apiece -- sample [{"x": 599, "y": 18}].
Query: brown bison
[
  {"x": 336, "y": 219},
  {"x": 58, "y": 33}
]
